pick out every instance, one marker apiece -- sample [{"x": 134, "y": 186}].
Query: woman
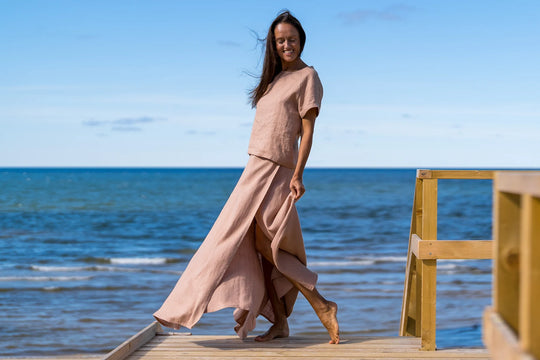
[{"x": 253, "y": 258}]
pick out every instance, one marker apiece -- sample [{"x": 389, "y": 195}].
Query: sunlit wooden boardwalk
[
  {"x": 511, "y": 328},
  {"x": 216, "y": 347},
  {"x": 152, "y": 345}
]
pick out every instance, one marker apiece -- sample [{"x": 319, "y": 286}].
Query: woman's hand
[{"x": 297, "y": 187}]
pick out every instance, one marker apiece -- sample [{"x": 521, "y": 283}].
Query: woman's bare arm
[{"x": 308, "y": 124}]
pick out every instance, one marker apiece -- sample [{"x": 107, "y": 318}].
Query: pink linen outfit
[{"x": 226, "y": 270}]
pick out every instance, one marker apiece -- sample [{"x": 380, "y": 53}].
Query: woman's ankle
[{"x": 281, "y": 321}]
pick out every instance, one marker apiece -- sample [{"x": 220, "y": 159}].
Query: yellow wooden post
[
  {"x": 410, "y": 323},
  {"x": 417, "y": 296},
  {"x": 418, "y": 312},
  {"x": 429, "y": 267},
  {"x": 506, "y": 256},
  {"x": 529, "y": 328},
  {"x": 417, "y": 290},
  {"x": 512, "y": 327}
]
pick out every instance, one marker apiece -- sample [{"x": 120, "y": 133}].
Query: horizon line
[{"x": 2, "y": 168}]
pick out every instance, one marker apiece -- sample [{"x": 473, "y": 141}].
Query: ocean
[{"x": 87, "y": 255}]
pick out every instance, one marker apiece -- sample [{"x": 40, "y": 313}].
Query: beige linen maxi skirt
[{"x": 226, "y": 270}]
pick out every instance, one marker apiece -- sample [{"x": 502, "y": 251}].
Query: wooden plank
[
  {"x": 305, "y": 355},
  {"x": 375, "y": 355},
  {"x": 418, "y": 212},
  {"x": 389, "y": 356},
  {"x": 409, "y": 313},
  {"x": 429, "y": 303},
  {"x": 500, "y": 339},
  {"x": 416, "y": 291},
  {"x": 313, "y": 347},
  {"x": 316, "y": 341},
  {"x": 455, "y": 174},
  {"x": 529, "y": 311},
  {"x": 506, "y": 227},
  {"x": 57, "y": 357},
  {"x": 452, "y": 249},
  {"x": 133, "y": 343},
  {"x": 429, "y": 267},
  {"x": 429, "y": 210},
  {"x": 519, "y": 182}
]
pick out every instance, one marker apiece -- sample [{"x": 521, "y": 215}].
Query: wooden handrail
[
  {"x": 451, "y": 249},
  {"x": 519, "y": 182},
  {"x": 455, "y": 174},
  {"x": 418, "y": 312},
  {"x": 512, "y": 327}
]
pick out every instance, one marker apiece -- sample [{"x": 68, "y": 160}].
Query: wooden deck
[
  {"x": 56, "y": 357},
  {"x": 152, "y": 344},
  {"x": 226, "y": 347}
]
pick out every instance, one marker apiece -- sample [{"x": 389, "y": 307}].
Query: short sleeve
[{"x": 310, "y": 94}]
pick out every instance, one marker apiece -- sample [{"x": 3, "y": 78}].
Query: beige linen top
[{"x": 278, "y": 118}]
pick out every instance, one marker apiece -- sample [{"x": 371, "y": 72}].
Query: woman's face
[{"x": 287, "y": 43}]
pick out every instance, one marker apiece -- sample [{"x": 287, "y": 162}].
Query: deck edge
[
  {"x": 500, "y": 339},
  {"x": 133, "y": 343}
]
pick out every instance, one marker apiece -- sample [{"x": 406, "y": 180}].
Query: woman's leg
[
  {"x": 280, "y": 328},
  {"x": 325, "y": 310}
]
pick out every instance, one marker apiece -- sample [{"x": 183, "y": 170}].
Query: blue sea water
[{"x": 87, "y": 255}]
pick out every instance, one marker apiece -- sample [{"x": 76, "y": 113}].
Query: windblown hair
[{"x": 272, "y": 61}]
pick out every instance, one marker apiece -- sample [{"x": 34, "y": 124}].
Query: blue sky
[{"x": 164, "y": 83}]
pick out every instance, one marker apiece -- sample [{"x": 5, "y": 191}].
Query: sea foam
[
  {"x": 45, "y": 278},
  {"x": 138, "y": 261}
]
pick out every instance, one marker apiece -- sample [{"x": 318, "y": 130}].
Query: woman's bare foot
[
  {"x": 275, "y": 331},
  {"x": 328, "y": 317}
]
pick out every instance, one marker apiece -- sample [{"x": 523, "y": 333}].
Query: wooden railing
[
  {"x": 418, "y": 312},
  {"x": 512, "y": 327}
]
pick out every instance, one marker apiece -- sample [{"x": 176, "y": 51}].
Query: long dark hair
[{"x": 272, "y": 62}]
